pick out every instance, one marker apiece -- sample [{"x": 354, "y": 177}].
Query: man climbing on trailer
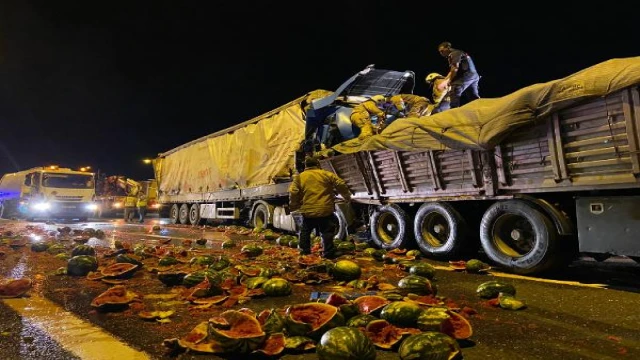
[
  {"x": 439, "y": 88},
  {"x": 362, "y": 113},
  {"x": 410, "y": 105}
]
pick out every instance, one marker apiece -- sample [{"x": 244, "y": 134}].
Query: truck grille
[{"x": 68, "y": 198}]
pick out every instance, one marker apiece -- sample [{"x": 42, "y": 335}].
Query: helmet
[
  {"x": 431, "y": 77},
  {"x": 397, "y": 101},
  {"x": 378, "y": 98}
]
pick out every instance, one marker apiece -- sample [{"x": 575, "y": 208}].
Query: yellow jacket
[
  {"x": 142, "y": 202},
  {"x": 313, "y": 192},
  {"x": 368, "y": 107},
  {"x": 130, "y": 201}
]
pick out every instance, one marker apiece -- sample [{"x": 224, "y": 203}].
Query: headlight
[
  {"x": 155, "y": 206},
  {"x": 92, "y": 207},
  {"x": 117, "y": 205},
  {"x": 42, "y": 206}
]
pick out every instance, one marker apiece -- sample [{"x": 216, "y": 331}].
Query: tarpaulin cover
[
  {"x": 249, "y": 154},
  {"x": 483, "y": 123}
]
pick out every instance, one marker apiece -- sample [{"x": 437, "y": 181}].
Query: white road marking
[
  {"x": 523, "y": 277},
  {"x": 75, "y": 335}
]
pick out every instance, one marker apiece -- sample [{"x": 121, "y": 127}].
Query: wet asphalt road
[{"x": 566, "y": 318}]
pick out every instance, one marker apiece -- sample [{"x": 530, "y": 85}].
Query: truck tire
[
  {"x": 183, "y": 215},
  {"x": 439, "y": 230},
  {"x": 341, "y": 225},
  {"x": 518, "y": 237},
  {"x": 260, "y": 216},
  {"x": 389, "y": 227},
  {"x": 174, "y": 214},
  {"x": 194, "y": 214}
]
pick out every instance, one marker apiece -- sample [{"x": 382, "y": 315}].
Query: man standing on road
[
  {"x": 141, "y": 204},
  {"x": 462, "y": 75},
  {"x": 312, "y": 194},
  {"x": 129, "y": 206}
]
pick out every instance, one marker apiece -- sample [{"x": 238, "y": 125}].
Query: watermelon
[
  {"x": 81, "y": 265},
  {"x": 271, "y": 321},
  {"x": 202, "y": 260},
  {"x": 428, "y": 345},
  {"x": 423, "y": 269},
  {"x": 491, "y": 289},
  {"x": 251, "y": 250},
  {"x": 14, "y": 287},
  {"x": 361, "y": 320},
  {"x": 125, "y": 258},
  {"x": 401, "y": 313},
  {"x": 346, "y": 247},
  {"x": 277, "y": 287},
  {"x": 312, "y": 319},
  {"x": 417, "y": 285},
  {"x": 39, "y": 247},
  {"x": 228, "y": 244},
  {"x": 119, "y": 270},
  {"x": 83, "y": 250},
  {"x": 241, "y": 332},
  {"x": 346, "y": 270},
  {"x": 167, "y": 261},
  {"x": 345, "y": 343},
  {"x": 172, "y": 278}
]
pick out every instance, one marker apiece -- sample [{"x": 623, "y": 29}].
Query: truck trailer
[
  {"x": 48, "y": 193},
  {"x": 243, "y": 173},
  {"x": 531, "y": 179}
]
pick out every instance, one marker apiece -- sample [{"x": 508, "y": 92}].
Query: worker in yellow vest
[
  {"x": 362, "y": 113},
  {"x": 141, "y": 204},
  {"x": 129, "y": 206}
]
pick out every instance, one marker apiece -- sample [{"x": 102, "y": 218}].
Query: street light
[
  {"x": 147, "y": 161},
  {"x": 85, "y": 168}
]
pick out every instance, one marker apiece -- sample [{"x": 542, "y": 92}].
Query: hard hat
[
  {"x": 378, "y": 98},
  {"x": 397, "y": 101},
  {"x": 429, "y": 79}
]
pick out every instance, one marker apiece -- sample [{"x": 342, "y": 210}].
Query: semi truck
[
  {"x": 531, "y": 180},
  {"x": 48, "y": 192}
]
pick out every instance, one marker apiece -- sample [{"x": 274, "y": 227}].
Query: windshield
[{"x": 67, "y": 181}]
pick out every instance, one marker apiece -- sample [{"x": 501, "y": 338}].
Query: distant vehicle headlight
[
  {"x": 92, "y": 207},
  {"x": 42, "y": 206}
]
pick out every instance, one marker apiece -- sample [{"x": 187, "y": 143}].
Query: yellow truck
[
  {"x": 48, "y": 193},
  {"x": 112, "y": 190}
]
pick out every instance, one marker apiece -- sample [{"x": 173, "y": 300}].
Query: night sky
[{"x": 109, "y": 83}]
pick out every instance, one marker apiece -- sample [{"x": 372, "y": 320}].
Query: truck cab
[
  {"x": 48, "y": 192},
  {"x": 328, "y": 119}
]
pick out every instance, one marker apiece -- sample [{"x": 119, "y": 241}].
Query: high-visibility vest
[
  {"x": 142, "y": 202},
  {"x": 130, "y": 201}
]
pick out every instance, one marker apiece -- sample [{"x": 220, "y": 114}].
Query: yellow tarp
[
  {"x": 250, "y": 155},
  {"x": 483, "y": 123}
]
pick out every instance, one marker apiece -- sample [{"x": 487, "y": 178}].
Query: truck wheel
[
  {"x": 439, "y": 230},
  {"x": 260, "y": 217},
  {"x": 389, "y": 227},
  {"x": 183, "y": 215},
  {"x": 341, "y": 225},
  {"x": 515, "y": 235},
  {"x": 194, "y": 214},
  {"x": 174, "y": 214}
]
